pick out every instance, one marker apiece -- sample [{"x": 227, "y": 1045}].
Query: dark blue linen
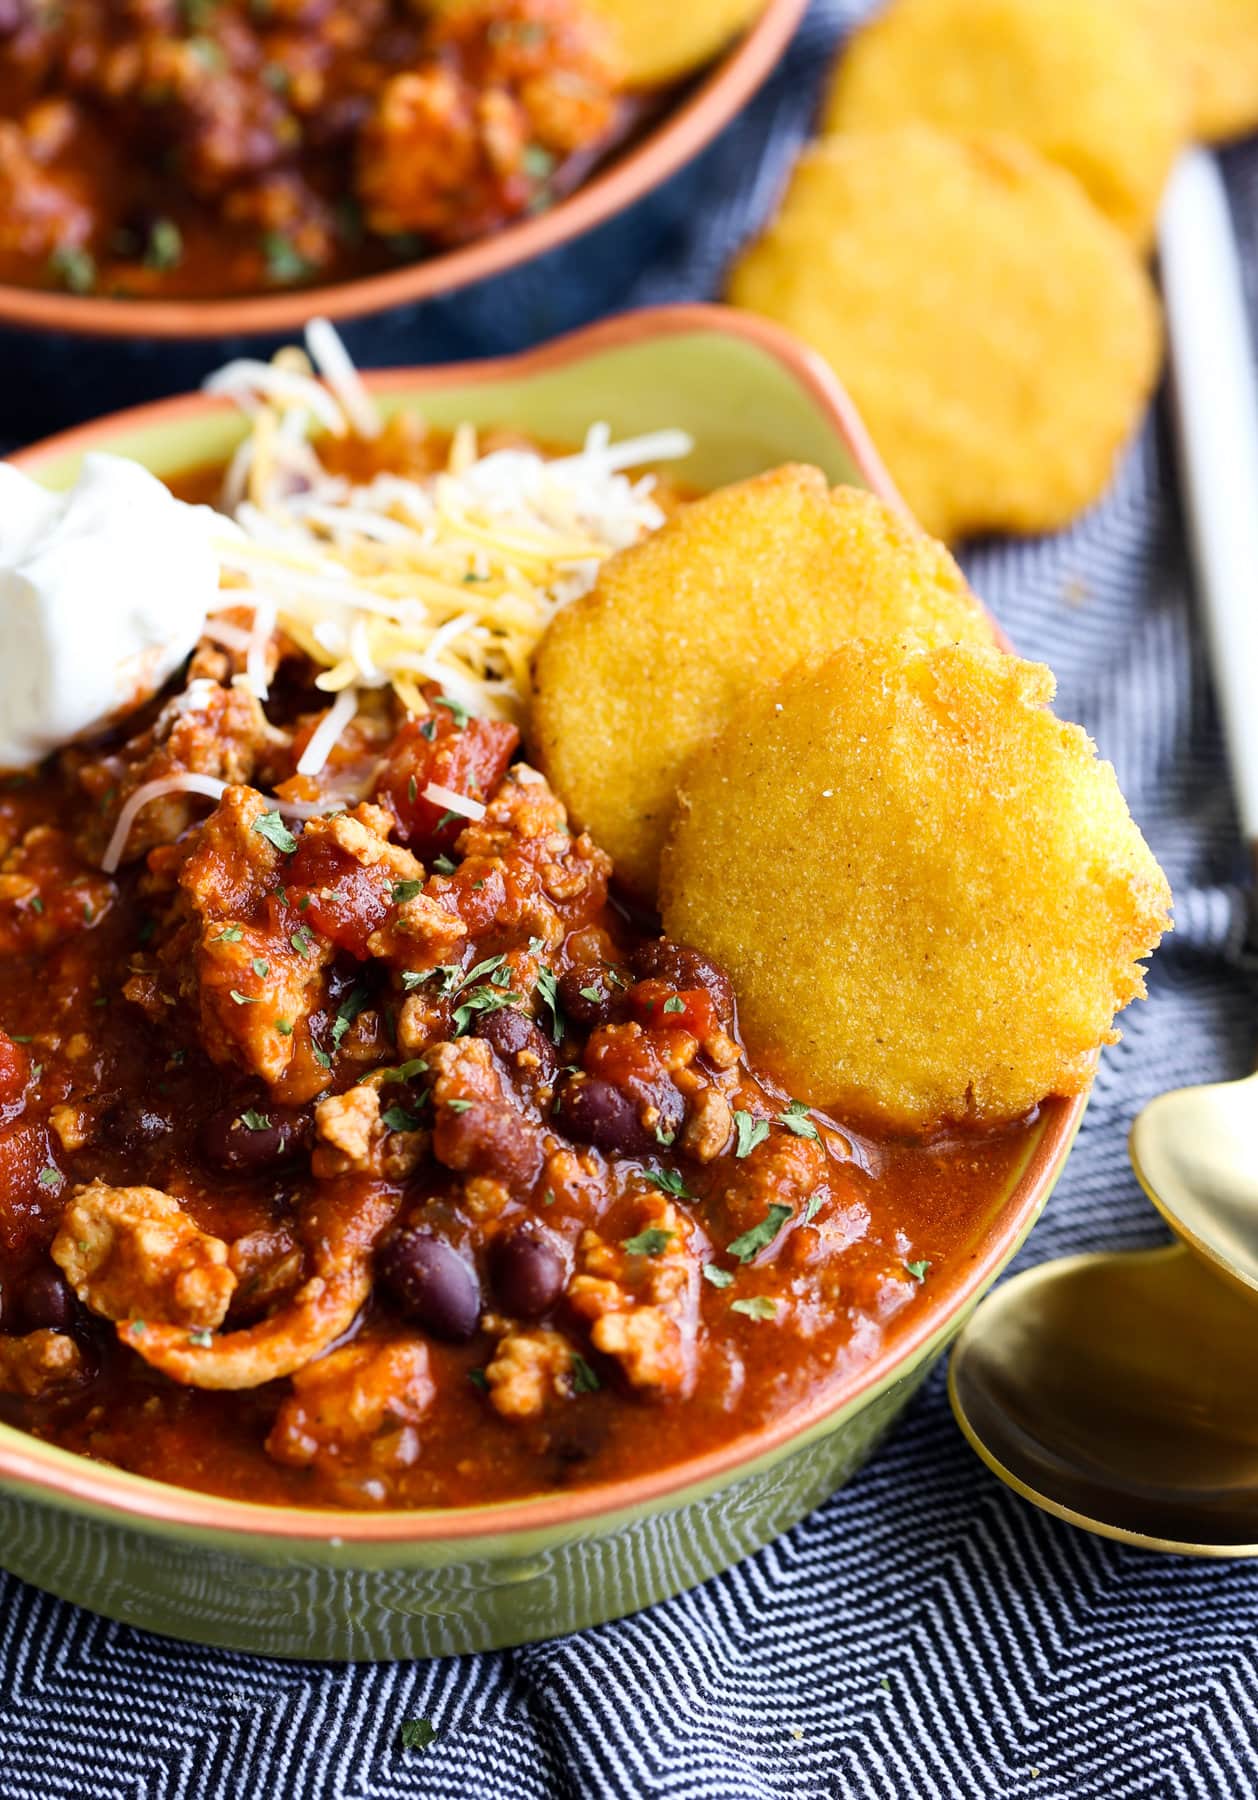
[{"x": 925, "y": 1633}]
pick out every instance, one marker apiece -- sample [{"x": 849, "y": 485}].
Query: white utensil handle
[{"x": 1216, "y": 413}]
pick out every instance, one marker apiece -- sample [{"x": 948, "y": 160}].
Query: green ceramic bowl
[{"x": 283, "y": 1581}]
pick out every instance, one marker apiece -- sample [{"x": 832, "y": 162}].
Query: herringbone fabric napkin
[{"x": 923, "y": 1634}]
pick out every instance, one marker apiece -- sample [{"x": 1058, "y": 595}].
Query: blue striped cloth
[{"x": 923, "y": 1634}]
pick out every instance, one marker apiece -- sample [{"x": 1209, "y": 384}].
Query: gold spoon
[{"x": 1117, "y": 1391}]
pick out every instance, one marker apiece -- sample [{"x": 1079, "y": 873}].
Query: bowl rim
[
  {"x": 66, "y": 1477},
  {"x": 717, "y": 95}
]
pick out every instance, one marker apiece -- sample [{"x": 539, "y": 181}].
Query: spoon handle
[{"x": 1216, "y": 415}]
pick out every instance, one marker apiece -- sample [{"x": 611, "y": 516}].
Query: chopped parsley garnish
[
  {"x": 457, "y": 711},
  {"x": 37, "y": 905},
  {"x": 444, "y": 865},
  {"x": 749, "y": 1131},
  {"x": 301, "y": 940},
  {"x": 665, "y": 1139},
  {"x": 757, "y": 1306},
  {"x": 674, "y": 1004},
  {"x": 449, "y": 818},
  {"x": 479, "y": 1379},
  {"x": 272, "y": 827},
  {"x": 537, "y": 162},
  {"x": 918, "y": 1269},
  {"x": 796, "y": 1119},
  {"x": 720, "y": 1278},
  {"x": 244, "y": 999},
  {"x": 74, "y": 268},
  {"x": 353, "y": 1003},
  {"x": 284, "y": 262},
  {"x": 321, "y": 1056},
  {"x": 398, "y": 1119},
  {"x": 50, "y": 1177},
  {"x": 584, "y": 1380},
  {"x": 417, "y": 1734},
  {"x": 593, "y": 993},
  {"x": 548, "y": 990},
  {"x": 814, "y": 1206},
  {"x": 406, "y": 890},
  {"x": 458, "y": 1106},
  {"x": 255, "y": 1121},
  {"x": 201, "y": 1339},
  {"x": 232, "y": 934},
  {"x": 412, "y": 787},
  {"x": 669, "y": 1181},
  {"x": 484, "y": 999},
  {"x": 752, "y": 1242},
  {"x": 165, "y": 246},
  {"x": 548, "y": 1198},
  {"x": 37, "y": 1070},
  {"x": 480, "y": 970},
  {"x": 449, "y": 975},
  {"x": 284, "y": 1027},
  {"x": 261, "y": 967},
  {"x": 651, "y": 1242},
  {"x": 427, "y": 729},
  {"x": 404, "y": 1071}
]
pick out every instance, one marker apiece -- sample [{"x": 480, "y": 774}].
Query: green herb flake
[
  {"x": 261, "y": 967},
  {"x": 244, "y": 999},
  {"x": 398, "y": 1119},
  {"x": 814, "y": 1206},
  {"x": 50, "y": 1177},
  {"x": 254, "y": 1120},
  {"x": 301, "y": 940},
  {"x": 457, "y": 711},
  {"x": 284, "y": 262},
  {"x": 584, "y": 1380},
  {"x": 417, "y": 1734},
  {"x": 595, "y": 994},
  {"x": 665, "y": 1139},
  {"x": 406, "y": 890},
  {"x": 749, "y": 1245},
  {"x": 37, "y": 1070},
  {"x": 674, "y": 1004},
  {"x": 201, "y": 1339},
  {"x": 354, "y": 1003},
  {"x": 479, "y": 1379},
  {"x": 719, "y": 1278},
  {"x": 483, "y": 999},
  {"x": 669, "y": 1182},
  {"x": 458, "y": 1106},
  {"x": 428, "y": 731},
  {"x": 165, "y": 246},
  {"x": 37, "y": 905},
  {"x": 321, "y": 1056},
  {"x": 444, "y": 865},
  {"x": 74, "y": 268},
  {"x": 284, "y": 1027},
  {"x": 651, "y": 1242},
  {"x": 449, "y": 975},
  {"x": 231, "y": 935},
  {"x": 796, "y": 1119},
  {"x": 548, "y": 992},
  {"x": 449, "y": 818},
  {"x": 406, "y": 1071},
  {"x": 22, "y": 1037},
  {"x": 272, "y": 827},
  {"x": 548, "y": 1198},
  {"x": 758, "y": 1306},
  {"x": 749, "y": 1131},
  {"x": 918, "y": 1269}
]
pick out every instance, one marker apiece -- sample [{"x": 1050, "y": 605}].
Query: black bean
[
  {"x": 47, "y": 1300},
  {"x": 528, "y": 1273},
  {"x": 431, "y": 1283},
  {"x": 245, "y": 1140},
  {"x": 512, "y": 1033},
  {"x": 662, "y": 960},
  {"x": 593, "y": 1111},
  {"x": 577, "y": 985}
]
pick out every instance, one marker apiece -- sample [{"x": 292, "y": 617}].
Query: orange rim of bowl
[
  {"x": 144, "y": 1500},
  {"x": 662, "y": 153}
]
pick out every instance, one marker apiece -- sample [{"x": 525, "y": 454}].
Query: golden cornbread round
[
  {"x": 730, "y": 593},
  {"x": 1214, "y": 44},
  {"x": 1081, "y": 80},
  {"x": 999, "y": 337},
  {"x": 661, "y": 41},
  {"x": 929, "y": 893}
]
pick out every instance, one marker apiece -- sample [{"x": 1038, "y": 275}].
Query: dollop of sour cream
[{"x": 104, "y": 591}]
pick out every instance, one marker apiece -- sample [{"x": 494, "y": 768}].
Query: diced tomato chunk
[
  {"x": 28, "y": 1204},
  {"x": 657, "y": 1004},
  {"x": 15, "y": 1068},
  {"x": 468, "y": 759},
  {"x": 330, "y": 892}
]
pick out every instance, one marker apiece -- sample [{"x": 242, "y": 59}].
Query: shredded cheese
[
  {"x": 454, "y": 802},
  {"x": 448, "y": 578}
]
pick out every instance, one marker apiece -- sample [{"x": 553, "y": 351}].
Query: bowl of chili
[{"x": 184, "y": 1549}]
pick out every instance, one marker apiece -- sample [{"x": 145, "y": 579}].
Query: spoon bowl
[
  {"x": 1195, "y": 1154},
  {"x": 1117, "y": 1392}
]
